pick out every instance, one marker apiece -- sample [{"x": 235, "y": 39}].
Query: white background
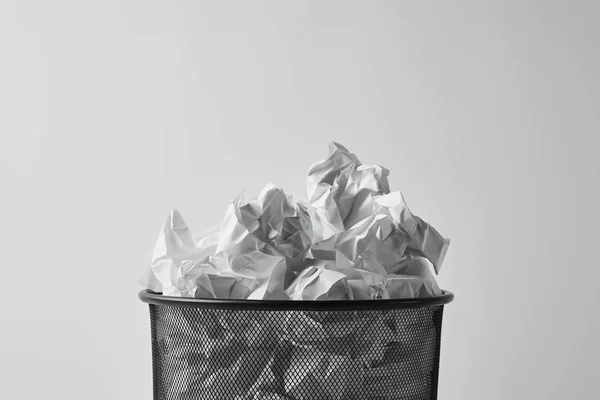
[{"x": 113, "y": 112}]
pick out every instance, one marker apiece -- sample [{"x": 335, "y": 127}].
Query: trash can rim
[{"x": 150, "y": 297}]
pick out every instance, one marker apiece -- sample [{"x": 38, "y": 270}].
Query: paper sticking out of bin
[{"x": 353, "y": 239}]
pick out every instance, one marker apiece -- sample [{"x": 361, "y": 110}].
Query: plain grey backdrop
[{"x": 113, "y": 112}]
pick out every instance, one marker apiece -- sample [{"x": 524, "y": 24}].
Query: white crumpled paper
[{"x": 352, "y": 239}]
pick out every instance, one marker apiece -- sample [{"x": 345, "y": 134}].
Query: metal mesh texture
[{"x": 241, "y": 354}]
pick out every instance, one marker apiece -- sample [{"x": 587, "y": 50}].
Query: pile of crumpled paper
[{"x": 353, "y": 239}]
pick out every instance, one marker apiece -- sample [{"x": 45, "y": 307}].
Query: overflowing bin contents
[{"x": 353, "y": 239}]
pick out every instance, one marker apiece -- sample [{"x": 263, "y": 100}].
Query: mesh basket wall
[{"x": 241, "y": 354}]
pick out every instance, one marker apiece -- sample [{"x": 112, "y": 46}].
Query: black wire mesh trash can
[{"x": 295, "y": 350}]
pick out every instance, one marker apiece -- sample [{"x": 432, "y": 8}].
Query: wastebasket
[{"x": 295, "y": 350}]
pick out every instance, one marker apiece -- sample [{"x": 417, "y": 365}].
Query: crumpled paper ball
[{"x": 352, "y": 239}]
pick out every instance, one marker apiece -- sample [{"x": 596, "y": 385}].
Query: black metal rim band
[{"x": 150, "y": 297}]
